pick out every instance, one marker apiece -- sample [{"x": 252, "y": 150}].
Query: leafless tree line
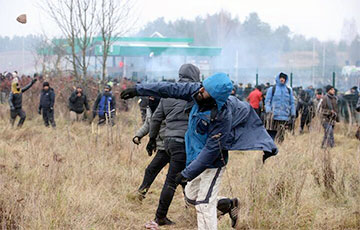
[{"x": 79, "y": 22}]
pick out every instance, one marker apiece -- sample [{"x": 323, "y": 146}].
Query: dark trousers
[
  {"x": 328, "y": 140},
  {"x": 106, "y": 119},
  {"x": 280, "y": 127},
  {"x": 160, "y": 160},
  {"x": 305, "y": 120},
  {"x": 48, "y": 117},
  {"x": 17, "y": 112},
  {"x": 176, "y": 150},
  {"x": 258, "y": 112}
]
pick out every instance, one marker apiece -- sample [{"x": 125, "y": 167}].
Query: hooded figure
[
  {"x": 217, "y": 123},
  {"x": 15, "y": 101},
  {"x": 281, "y": 102},
  {"x": 280, "y": 106},
  {"x": 175, "y": 114}
]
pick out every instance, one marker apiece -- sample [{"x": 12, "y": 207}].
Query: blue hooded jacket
[
  {"x": 236, "y": 126},
  {"x": 282, "y": 103}
]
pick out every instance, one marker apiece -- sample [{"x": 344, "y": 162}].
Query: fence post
[
  {"x": 291, "y": 80},
  {"x": 257, "y": 78}
]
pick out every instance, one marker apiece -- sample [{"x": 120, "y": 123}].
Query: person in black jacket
[
  {"x": 15, "y": 101},
  {"x": 77, "y": 102},
  {"x": 105, "y": 106},
  {"x": 47, "y": 101},
  {"x": 305, "y": 107}
]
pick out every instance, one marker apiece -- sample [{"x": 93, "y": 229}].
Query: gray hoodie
[{"x": 174, "y": 111}]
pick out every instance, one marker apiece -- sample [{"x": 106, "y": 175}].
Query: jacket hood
[
  {"x": 189, "y": 73},
  {"x": 277, "y": 79},
  {"x": 14, "y": 87},
  {"x": 219, "y": 86}
]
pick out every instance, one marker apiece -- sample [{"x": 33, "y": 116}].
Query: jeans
[
  {"x": 48, "y": 116},
  {"x": 328, "y": 139},
  {"x": 160, "y": 160},
  {"x": 176, "y": 149},
  {"x": 17, "y": 112}
]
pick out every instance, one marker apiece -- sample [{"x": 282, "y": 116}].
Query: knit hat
[
  {"x": 328, "y": 87},
  {"x": 108, "y": 87},
  {"x": 46, "y": 84}
]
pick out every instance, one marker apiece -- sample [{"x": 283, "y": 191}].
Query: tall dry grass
[{"x": 83, "y": 177}]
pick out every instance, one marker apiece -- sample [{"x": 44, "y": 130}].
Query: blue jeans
[{"x": 328, "y": 140}]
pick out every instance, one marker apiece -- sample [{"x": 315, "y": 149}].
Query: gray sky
[{"x": 313, "y": 18}]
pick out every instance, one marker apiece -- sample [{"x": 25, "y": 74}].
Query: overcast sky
[{"x": 313, "y": 18}]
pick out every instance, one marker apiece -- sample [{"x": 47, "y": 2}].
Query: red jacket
[{"x": 254, "y": 98}]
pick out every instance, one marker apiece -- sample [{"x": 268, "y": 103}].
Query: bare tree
[
  {"x": 114, "y": 19},
  {"x": 76, "y": 20}
]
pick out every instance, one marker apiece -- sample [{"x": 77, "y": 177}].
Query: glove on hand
[
  {"x": 128, "y": 93},
  {"x": 151, "y": 146}
]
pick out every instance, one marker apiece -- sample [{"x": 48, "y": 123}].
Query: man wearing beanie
[
  {"x": 329, "y": 114},
  {"x": 105, "y": 107},
  {"x": 46, "y": 106}
]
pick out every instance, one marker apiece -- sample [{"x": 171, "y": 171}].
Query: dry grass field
[{"x": 83, "y": 177}]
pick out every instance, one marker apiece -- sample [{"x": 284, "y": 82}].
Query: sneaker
[
  {"x": 163, "y": 221},
  {"x": 234, "y": 211}
]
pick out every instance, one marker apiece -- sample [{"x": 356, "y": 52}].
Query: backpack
[
  {"x": 103, "y": 105},
  {"x": 274, "y": 89}
]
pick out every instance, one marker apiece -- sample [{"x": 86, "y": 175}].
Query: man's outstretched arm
[{"x": 182, "y": 91}]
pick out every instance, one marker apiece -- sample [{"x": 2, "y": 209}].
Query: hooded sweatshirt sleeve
[
  {"x": 218, "y": 135},
  {"x": 156, "y": 120},
  {"x": 178, "y": 90},
  {"x": 144, "y": 129},
  {"x": 28, "y": 86}
]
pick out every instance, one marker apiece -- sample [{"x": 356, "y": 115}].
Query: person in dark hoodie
[
  {"x": 175, "y": 113},
  {"x": 15, "y": 101},
  {"x": 217, "y": 124},
  {"x": 305, "y": 107},
  {"x": 46, "y": 106},
  {"x": 105, "y": 107},
  {"x": 77, "y": 102}
]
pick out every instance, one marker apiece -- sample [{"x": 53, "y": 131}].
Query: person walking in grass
[
  {"x": 15, "y": 101},
  {"x": 105, "y": 107},
  {"x": 329, "y": 115},
  {"x": 280, "y": 106},
  {"x": 217, "y": 123},
  {"x": 161, "y": 158},
  {"x": 46, "y": 106},
  {"x": 78, "y": 102}
]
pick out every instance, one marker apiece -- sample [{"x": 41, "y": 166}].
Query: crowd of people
[
  {"x": 104, "y": 106},
  {"x": 192, "y": 125},
  {"x": 279, "y": 106}
]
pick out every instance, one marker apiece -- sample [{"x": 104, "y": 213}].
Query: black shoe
[
  {"x": 163, "y": 221},
  {"x": 234, "y": 211}
]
